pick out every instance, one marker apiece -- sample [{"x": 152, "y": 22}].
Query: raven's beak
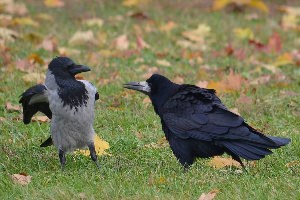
[
  {"x": 139, "y": 86},
  {"x": 76, "y": 69}
]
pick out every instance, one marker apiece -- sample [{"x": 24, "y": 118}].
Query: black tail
[
  {"x": 251, "y": 150},
  {"x": 47, "y": 143}
]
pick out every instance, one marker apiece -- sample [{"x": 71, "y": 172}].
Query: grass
[{"x": 133, "y": 170}]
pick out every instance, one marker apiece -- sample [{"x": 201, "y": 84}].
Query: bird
[
  {"x": 69, "y": 103},
  {"x": 198, "y": 125}
]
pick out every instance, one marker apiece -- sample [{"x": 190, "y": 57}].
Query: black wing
[
  {"x": 199, "y": 114},
  {"x": 33, "y": 100}
]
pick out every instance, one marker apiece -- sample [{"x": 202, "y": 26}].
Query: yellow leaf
[
  {"x": 283, "y": 59},
  {"x": 25, "y": 21},
  {"x": 164, "y": 63},
  {"x": 131, "y": 3},
  {"x": 21, "y": 179},
  {"x": 219, "y": 162},
  {"x": 243, "y": 33},
  {"x": 260, "y": 5},
  {"x": 209, "y": 196},
  {"x": 54, "y": 3},
  {"x": 220, "y": 4},
  {"x": 100, "y": 147},
  {"x": 199, "y": 34},
  {"x": 121, "y": 42},
  {"x": 10, "y": 107},
  {"x": 94, "y": 22},
  {"x": 40, "y": 119}
]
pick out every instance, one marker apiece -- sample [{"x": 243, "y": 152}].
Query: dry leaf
[
  {"x": 141, "y": 44},
  {"x": 261, "y": 80},
  {"x": 243, "y": 33},
  {"x": 49, "y": 44},
  {"x": 198, "y": 35},
  {"x": 54, "y": 3},
  {"x": 209, "y": 196},
  {"x": 21, "y": 179},
  {"x": 100, "y": 147},
  {"x": 8, "y": 34},
  {"x": 82, "y": 37},
  {"x": 131, "y": 3},
  {"x": 161, "y": 143},
  {"x": 146, "y": 100},
  {"x": 35, "y": 58},
  {"x": 34, "y": 78},
  {"x": 163, "y": 63},
  {"x": 219, "y": 162},
  {"x": 10, "y": 107},
  {"x": 258, "y": 4},
  {"x": 42, "y": 119},
  {"x": 25, "y": 21},
  {"x": 24, "y": 65},
  {"x": 202, "y": 84},
  {"x": 121, "y": 42},
  {"x": 168, "y": 26},
  {"x": 178, "y": 80},
  {"x": 94, "y": 22},
  {"x": 284, "y": 59},
  {"x": 235, "y": 111},
  {"x": 64, "y": 51},
  {"x": 15, "y": 8}
]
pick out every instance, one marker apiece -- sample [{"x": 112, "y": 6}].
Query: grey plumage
[{"x": 71, "y": 104}]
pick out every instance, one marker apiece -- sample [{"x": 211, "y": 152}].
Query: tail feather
[{"x": 280, "y": 141}]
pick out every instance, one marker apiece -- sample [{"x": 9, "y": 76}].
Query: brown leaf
[
  {"x": 149, "y": 71},
  {"x": 161, "y": 143},
  {"x": 170, "y": 25},
  {"x": 8, "y": 34},
  {"x": 178, "y": 80},
  {"x": 35, "y": 58},
  {"x": 219, "y": 162},
  {"x": 121, "y": 42},
  {"x": 141, "y": 44},
  {"x": 146, "y": 100},
  {"x": 139, "y": 16},
  {"x": 235, "y": 111},
  {"x": 82, "y": 37},
  {"x": 11, "y": 107},
  {"x": 16, "y": 8},
  {"x": 202, "y": 84},
  {"x": 21, "y": 179},
  {"x": 163, "y": 63},
  {"x": 261, "y": 80},
  {"x": 244, "y": 100},
  {"x": 49, "y": 44},
  {"x": 34, "y": 78},
  {"x": 24, "y": 65},
  {"x": 209, "y": 196}
]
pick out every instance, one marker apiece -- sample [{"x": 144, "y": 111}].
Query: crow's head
[
  {"x": 157, "y": 87},
  {"x": 65, "y": 67}
]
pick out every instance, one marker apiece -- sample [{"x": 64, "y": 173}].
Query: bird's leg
[
  {"x": 62, "y": 158},
  {"x": 235, "y": 157},
  {"x": 93, "y": 154}
]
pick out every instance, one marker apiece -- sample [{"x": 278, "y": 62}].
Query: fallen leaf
[
  {"x": 199, "y": 34},
  {"x": 15, "y": 8},
  {"x": 258, "y": 4},
  {"x": 163, "y": 63},
  {"x": 131, "y": 3},
  {"x": 93, "y": 22},
  {"x": 24, "y": 65},
  {"x": 146, "y": 100},
  {"x": 288, "y": 93},
  {"x": 141, "y": 44},
  {"x": 293, "y": 163},
  {"x": 121, "y": 42},
  {"x": 2, "y": 119},
  {"x": 161, "y": 143},
  {"x": 100, "y": 147},
  {"x": 21, "y": 179},
  {"x": 284, "y": 59},
  {"x": 261, "y": 80},
  {"x": 139, "y": 16},
  {"x": 170, "y": 25},
  {"x": 219, "y": 162},
  {"x": 54, "y": 3},
  {"x": 243, "y": 33},
  {"x": 65, "y": 51},
  {"x": 35, "y": 58},
  {"x": 10, "y": 107},
  {"x": 42, "y": 119},
  {"x": 178, "y": 80},
  {"x": 49, "y": 44},
  {"x": 244, "y": 100},
  {"x": 235, "y": 111},
  {"x": 209, "y": 196},
  {"x": 25, "y": 21},
  {"x": 149, "y": 71},
  {"x": 82, "y": 195},
  {"x": 202, "y": 84},
  {"x": 82, "y": 37},
  {"x": 8, "y": 34},
  {"x": 33, "y": 77}
]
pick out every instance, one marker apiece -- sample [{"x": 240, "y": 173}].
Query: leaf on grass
[
  {"x": 202, "y": 84},
  {"x": 54, "y": 3},
  {"x": 11, "y": 107},
  {"x": 163, "y": 63},
  {"x": 100, "y": 147},
  {"x": 243, "y": 33},
  {"x": 293, "y": 163},
  {"x": 35, "y": 58},
  {"x": 169, "y": 26},
  {"x": 235, "y": 111},
  {"x": 274, "y": 45},
  {"x": 161, "y": 143},
  {"x": 218, "y": 162},
  {"x": 261, "y": 80},
  {"x": 209, "y": 196},
  {"x": 178, "y": 80},
  {"x": 33, "y": 78},
  {"x": 65, "y": 51},
  {"x": 141, "y": 44},
  {"x": 14, "y": 8},
  {"x": 25, "y": 21},
  {"x": 121, "y": 42},
  {"x": 24, "y": 65},
  {"x": 42, "y": 119},
  {"x": 230, "y": 83},
  {"x": 22, "y": 178},
  {"x": 257, "y": 4},
  {"x": 147, "y": 100},
  {"x": 49, "y": 44},
  {"x": 94, "y": 22},
  {"x": 284, "y": 59},
  {"x": 82, "y": 37},
  {"x": 8, "y": 34},
  {"x": 199, "y": 34},
  {"x": 131, "y": 3}
]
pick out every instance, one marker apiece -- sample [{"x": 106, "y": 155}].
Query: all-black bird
[
  {"x": 69, "y": 103},
  {"x": 197, "y": 124}
]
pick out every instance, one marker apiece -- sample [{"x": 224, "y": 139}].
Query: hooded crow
[
  {"x": 197, "y": 124},
  {"x": 69, "y": 103}
]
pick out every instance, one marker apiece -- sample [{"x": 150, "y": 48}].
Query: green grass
[{"x": 134, "y": 171}]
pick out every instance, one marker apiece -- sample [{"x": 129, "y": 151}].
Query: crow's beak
[
  {"x": 139, "y": 86},
  {"x": 76, "y": 69}
]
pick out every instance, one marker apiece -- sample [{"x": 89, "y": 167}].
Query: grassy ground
[{"x": 134, "y": 170}]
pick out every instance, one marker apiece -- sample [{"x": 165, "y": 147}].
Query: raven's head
[
  {"x": 157, "y": 87},
  {"x": 65, "y": 67}
]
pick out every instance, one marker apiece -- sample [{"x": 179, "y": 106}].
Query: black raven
[
  {"x": 197, "y": 124},
  {"x": 69, "y": 104}
]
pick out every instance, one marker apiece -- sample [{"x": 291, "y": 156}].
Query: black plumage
[{"x": 197, "y": 124}]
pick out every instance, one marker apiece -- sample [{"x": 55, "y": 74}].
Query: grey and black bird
[
  {"x": 69, "y": 103},
  {"x": 197, "y": 124}
]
